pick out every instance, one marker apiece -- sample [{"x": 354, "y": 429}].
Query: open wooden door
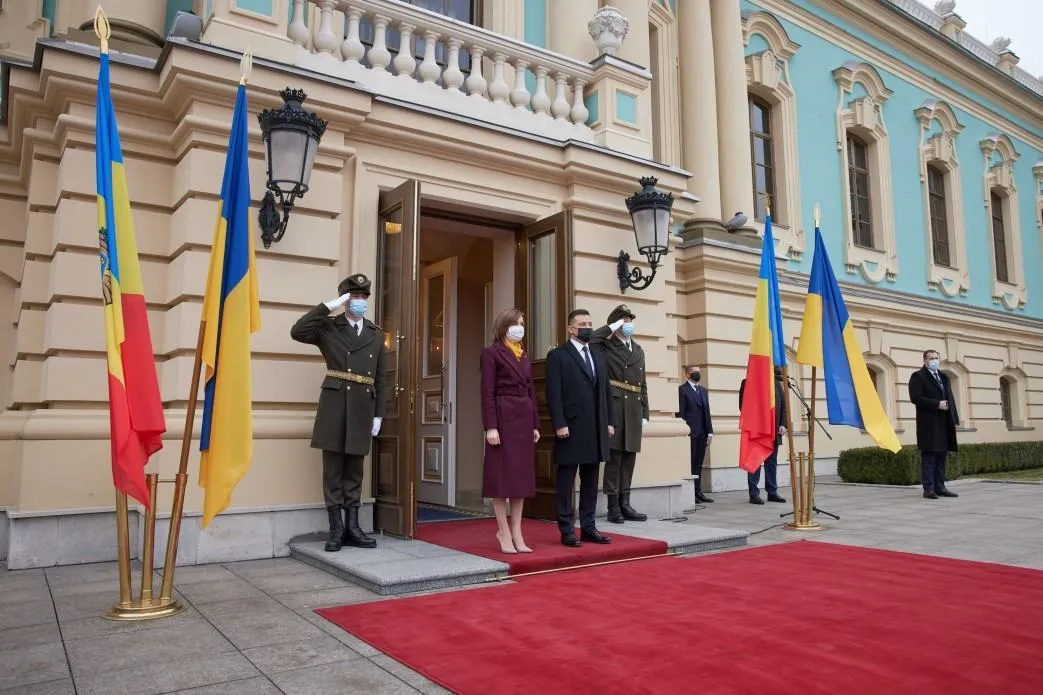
[
  {"x": 544, "y": 293},
  {"x": 394, "y": 451}
]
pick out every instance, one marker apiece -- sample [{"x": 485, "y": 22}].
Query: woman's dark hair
[{"x": 506, "y": 319}]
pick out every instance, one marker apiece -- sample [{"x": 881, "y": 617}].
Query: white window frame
[
  {"x": 999, "y": 157},
  {"x": 864, "y": 116}
]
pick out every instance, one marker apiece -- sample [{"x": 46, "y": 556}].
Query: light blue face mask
[
  {"x": 358, "y": 307},
  {"x": 627, "y": 329}
]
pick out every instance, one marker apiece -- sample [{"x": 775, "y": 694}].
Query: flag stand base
[
  {"x": 145, "y": 610},
  {"x": 808, "y": 526}
]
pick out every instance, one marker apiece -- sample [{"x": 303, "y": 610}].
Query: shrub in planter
[{"x": 879, "y": 466}]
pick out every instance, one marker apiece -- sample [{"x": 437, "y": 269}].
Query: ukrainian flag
[
  {"x": 231, "y": 312},
  {"x": 136, "y": 419},
  {"x": 757, "y": 429},
  {"x": 828, "y": 341}
]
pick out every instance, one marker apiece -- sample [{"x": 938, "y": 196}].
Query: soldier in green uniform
[
  {"x": 351, "y": 402},
  {"x": 625, "y": 361}
]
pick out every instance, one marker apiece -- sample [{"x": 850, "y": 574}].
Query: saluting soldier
[
  {"x": 625, "y": 361},
  {"x": 351, "y": 402}
]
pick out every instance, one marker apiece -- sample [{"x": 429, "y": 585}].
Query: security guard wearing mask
[
  {"x": 625, "y": 361},
  {"x": 351, "y": 402}
]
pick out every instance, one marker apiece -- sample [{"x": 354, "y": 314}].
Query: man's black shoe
[
  {"x": 947, "y": 493},
  {"x": 570, "y": 540},
  {"x": 700, "y": 497},
  {"x": 756, "y": 499},
  {"x": 592, "y": 535},
  {"x": 930, "y": 496},
  {"x": 776, "y": 498}
]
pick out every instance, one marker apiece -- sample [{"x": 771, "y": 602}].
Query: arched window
[
  {"x": 941, "y": 188},
  {"x": 1006, "y": 400},
  {"x": 939, "y": 216},
  {"x": 859, "y": 191},
  {"x": 999, "y": 236},
  {"x": 1002, "y": 210}
]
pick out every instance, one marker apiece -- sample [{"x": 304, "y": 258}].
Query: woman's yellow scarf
[{"x": 516, "y": 348}]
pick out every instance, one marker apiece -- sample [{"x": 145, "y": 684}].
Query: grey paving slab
[
  {"x": 248, "y": 686},
  {"x": 36, "y": 663},
  {"x": 358, "y": 676},
  {"x": 304, "y": 579},
  {"x": 229, "y": 588},
  {"x": 409, "y": 676},
  {"x": 152, "y": 677},
  {"x": 169, "y": 642},
  {"x": 340, "y": 596},
  {"x": 44, "y": 633},
  {"x": 58, "y": 687},
  {"x": 258, "y": 622},
  {"x": 339, "y": 634},
  {"x": 295, "y": 655},
  {"x": 14, "y": 615}
]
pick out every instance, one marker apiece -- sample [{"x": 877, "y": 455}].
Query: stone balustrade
[{"x": 443, "y": 63}]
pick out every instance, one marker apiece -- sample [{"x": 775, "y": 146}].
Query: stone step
[{"x": 398, "y": 566}]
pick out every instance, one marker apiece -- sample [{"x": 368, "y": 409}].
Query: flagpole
[{"x": 811, "y": 408}]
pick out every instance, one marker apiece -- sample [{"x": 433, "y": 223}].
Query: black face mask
[
  {"x": 584, "y": 335},
  {"x": 694, "y": 376}
]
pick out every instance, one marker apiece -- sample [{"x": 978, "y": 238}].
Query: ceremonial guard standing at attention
[
  {"x": 351, "y": 402},
  {"x": 625, "y": 361}
]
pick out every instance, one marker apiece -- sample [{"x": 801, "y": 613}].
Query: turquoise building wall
[{"x": 819, "y": 164}]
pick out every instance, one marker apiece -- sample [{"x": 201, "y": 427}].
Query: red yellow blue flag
[
  {"x": 231, "y": 312},
  {"x": 757, "y": 430},
  {"x": 828, "y": 342},
  {"x": 136, "y": 421}
]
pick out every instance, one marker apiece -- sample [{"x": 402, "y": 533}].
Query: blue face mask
[
  {"x": 358, "y": 307},
  {"x": 627, "y": 329}
]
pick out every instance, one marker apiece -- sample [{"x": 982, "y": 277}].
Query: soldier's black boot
[
  {"x": 629, "y": 513},
  {"x": 333, "y": 542},
  {"x": 353, "y": 533},
  {"x": 614, "y": 515}
]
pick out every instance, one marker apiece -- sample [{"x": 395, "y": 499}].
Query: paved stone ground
[{"x": 250, "y": 628}]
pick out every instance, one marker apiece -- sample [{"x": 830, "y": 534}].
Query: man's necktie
[
  {"x": 358, "y": 329},
  {"x": 590, "y": 365}
]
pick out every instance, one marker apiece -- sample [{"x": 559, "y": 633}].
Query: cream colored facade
[{"x": 508, "y": 151}]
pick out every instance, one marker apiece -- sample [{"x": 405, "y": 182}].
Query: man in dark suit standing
[
  {"x": 936, "y": 422},
  {"x": 580, "y": 412},
  {"x": 351, "y": 402},
  {"x": 694, "y": 409},
  {"x": 771, "y": 464},
  {"x": 625, "y": 362}
]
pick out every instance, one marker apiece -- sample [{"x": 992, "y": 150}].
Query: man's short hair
[
  {"x": 928, "y": 352},
  {"x": 577, "y": 312}
]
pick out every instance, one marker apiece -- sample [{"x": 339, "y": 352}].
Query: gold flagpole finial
[
  {"x": 246, "y": 66},
  {"x": 102, "y": 29},
  {"x": 818, "y": 215},
  {"x": 767, "y": 202}
]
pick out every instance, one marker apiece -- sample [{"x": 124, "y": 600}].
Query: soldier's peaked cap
[
  {"x": 621, "y": 311},
  {"x": 354, "y": 283}
]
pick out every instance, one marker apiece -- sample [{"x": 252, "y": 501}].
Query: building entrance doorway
[{"x": 443, "y": 276}]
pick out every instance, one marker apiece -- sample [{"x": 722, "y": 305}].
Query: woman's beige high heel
[
  {"x": 519, "y": 544},
  {"x": 506, "y": 545}
]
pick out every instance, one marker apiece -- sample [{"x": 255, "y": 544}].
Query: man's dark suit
[
  {"x": 771, "y": 464},
  {"x": 694, "y": 409},
  {"x": 935, "y": 428},
  {"x": 580, "y": 401}
]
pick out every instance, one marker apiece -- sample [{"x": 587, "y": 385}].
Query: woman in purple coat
[{"x": 511, "y": 425}]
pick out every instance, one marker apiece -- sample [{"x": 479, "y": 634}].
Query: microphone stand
[{"x": 791, "y": 382}]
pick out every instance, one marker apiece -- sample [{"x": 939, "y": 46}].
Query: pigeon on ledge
[{"x": 736, "y": 222}]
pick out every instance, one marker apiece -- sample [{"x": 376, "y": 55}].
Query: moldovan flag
[
  {"x": 828, "y": 341},
  {"x": 757, "y": 429},
  {"x": 231, "y": 312},
  {"x": 136, "y": 420}
]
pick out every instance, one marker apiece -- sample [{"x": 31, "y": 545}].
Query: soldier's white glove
[
  {"x": 617, "y": 325},
  {"x": 337, "y": 303},
  {"x": 644, "y": 422},
  {"x": 376, "y": 425}
]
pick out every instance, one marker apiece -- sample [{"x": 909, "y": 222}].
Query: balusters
[
  {"x": 430, "y": 69},
  {"x": 404, "y": 62},
  {"x": 560, "y": 107},
  {"x": 379, "y": 56},
  {"x": 475, "y": 82},
  {"x": 298, "y": 30},
  {"x": 453, "y": 77},
  {"x": 352, "y": 49},
  {"x": 498, "y": 88},
  {"x": 520, "y": 96},
  {"x": 540, "y": 100},
  {"x": 579, "y": 113},
  {"x": 325, "y": 40}
]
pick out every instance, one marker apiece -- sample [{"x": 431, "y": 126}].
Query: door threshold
[{"x": 429, "y": 513}]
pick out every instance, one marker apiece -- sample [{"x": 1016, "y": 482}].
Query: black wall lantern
[
  {"x": 291, "y": 137},
  {"x": 650, "y": 213}
]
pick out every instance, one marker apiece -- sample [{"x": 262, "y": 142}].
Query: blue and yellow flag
[
  {"x": 757, "y": 430},
  {"x": 231, "y": 312},
  {"x": 828, "y": 341}
]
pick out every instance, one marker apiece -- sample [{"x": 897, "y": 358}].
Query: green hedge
[{"x": 875, "y": 465}]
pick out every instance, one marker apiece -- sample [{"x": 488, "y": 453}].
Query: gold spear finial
[
  {"x": 246, "y": 66},
  {"x": 767, "y": 202},
  {"x": 818, "y": 215},
  {"x": 102, "y": 29}
]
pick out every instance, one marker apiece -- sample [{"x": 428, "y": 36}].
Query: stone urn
[{"x": 608, "y": 28}]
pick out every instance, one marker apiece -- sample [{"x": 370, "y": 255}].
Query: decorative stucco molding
[
  {"x": 938, "y": 149},
  {"x": 864, "y": 116},
  {"x": 768, "y": 77},
  {"x": 999, "y": 156}
]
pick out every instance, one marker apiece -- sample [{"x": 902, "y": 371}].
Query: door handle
[{"x": 449, "y": 413}]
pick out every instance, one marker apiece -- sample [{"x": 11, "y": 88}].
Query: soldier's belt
[
  {"x": 624, "y": 385},
  {"x": 348, "y": 376}
]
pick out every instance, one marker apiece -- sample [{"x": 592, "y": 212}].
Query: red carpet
[
  {"x": 478, "y": 537},
  {"x": 801, "y": 617}
]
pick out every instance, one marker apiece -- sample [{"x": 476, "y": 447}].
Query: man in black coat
[
  {"x": 694, "y": 409},
  {"x": 771, "y": 464},
  {"x": 936, "y": 422},
  {"x": 581, "y": 413}
]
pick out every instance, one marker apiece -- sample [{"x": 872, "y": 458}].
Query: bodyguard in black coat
[
  {"x": 694, "y": 408},
  {"x": 936, "y": 423},
  {"x": 581, "y": 413}
]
